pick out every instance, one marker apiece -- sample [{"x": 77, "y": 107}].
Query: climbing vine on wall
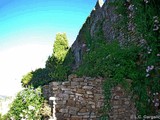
[
  {"x": 140, "y": 21},
  {"x": 136, "y": 58}
]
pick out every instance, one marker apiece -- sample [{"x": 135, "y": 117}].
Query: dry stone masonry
[
  {"x": 78, "y": 98},
  {"x": 122, "y": 108},
  {"x": 82, "y": 99},
  {"x": 102, "y": 18}
]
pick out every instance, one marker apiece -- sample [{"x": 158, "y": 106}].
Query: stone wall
[
  {"x": 102, "y": 18},
  {"x": 77, "y": 99},
  {"x": 82, "y": 99},
  {"x": 122, "y": 107}
]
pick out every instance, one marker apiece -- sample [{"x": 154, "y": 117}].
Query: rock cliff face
[{"x": 101, "y": 19}]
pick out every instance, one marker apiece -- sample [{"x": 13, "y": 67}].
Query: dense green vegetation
[
  {"x": 55, "y": 63},
  {"x": 57, "y": 66},
  {"x": 135, "y": 62},
  {"x": 27, "y": 105}
]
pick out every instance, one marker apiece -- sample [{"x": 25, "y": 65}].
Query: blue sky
[
  {"x": 27, "y": 33},
  {"x": 40, "y": 19}
]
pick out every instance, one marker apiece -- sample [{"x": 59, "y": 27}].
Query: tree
[
  {"x": 36, "y": 78},
  {"x": 40, "y": 77},
  {"x": 26, "y": 79},
  {"x": 54, "y": 68},
  {"x": 60, "y": 47},
  {"x": 54, "y": 64}
]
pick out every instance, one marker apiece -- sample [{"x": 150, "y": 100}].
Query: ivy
[{"x": 136, "y": 59}]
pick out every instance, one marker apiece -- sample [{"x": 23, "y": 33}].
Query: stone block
[
  {"x": 55, "y": 88},
  {"x": 68, "y": 92},
  {"x": 71, "y": 96},
  {"x": 81, "y": 98},
  {"x": 65, "y": 96},
  {"x": 88, "y": 87},
  {"x": 67, "y": 83},
  {"x": 80, "y": 91},
  {"x": 86, "y": 116},
  {"x": 65, "y": 89},
  {"x": 90, "y": 96},
  {"x": 83, "y": 83},
  {"x": 83, "y": 110},
  {"x": 76, "y": 118},
  {"x": 126, "y": 102},
  {"x": 89, "y": 92},
  {"x": 59, "y": 116},
  {"x": 78, "y": 79},
  {"x": 91, "y": 103},
  {"x": 63, "y": 110},
  {"x": 83, "y": 113},
  {"x": 93, "y": 106},
  {"x": 73, "y": 110},
  {"x": 115, "y": 106},
  {"x": 98, "y": 80},
  {"x": 116, "y": 97},
  {"x": 74, "y": 83},
  {"x": 73, "y": 89},
  {"x": 77, "y": 94},
  {"x": 70, "y": 103}
]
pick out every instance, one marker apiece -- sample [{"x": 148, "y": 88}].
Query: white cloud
[{"x": 17, "y": 61}]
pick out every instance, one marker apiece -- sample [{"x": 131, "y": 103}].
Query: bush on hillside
[{"x": 27, "y": 105}]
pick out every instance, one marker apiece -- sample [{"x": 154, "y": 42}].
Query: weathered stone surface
[
  {"x": 83, "y": 113},
  {"x": 122, "y": 106},
  {"x": 73, "y": 110},
  {"x": 77, "y": 94},
  {"x": 87, "y": 87},
  {"x": 68, "y": 92},
  {"x": 74, "y": 83},
  {"x": 71, "y": 102},
  {"x": 65, "y": 89},
  {"x": 76, "y": 118},
  {"x": 66, "y": 83},
  {"x": 85, "y": 101},
  {"x": 63, "y": 110},
  {"x": 89, "y": 92},
  {"x": 80, "y": 91}
]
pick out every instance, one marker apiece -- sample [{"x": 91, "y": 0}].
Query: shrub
[{"x": 27, "y": 105}]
